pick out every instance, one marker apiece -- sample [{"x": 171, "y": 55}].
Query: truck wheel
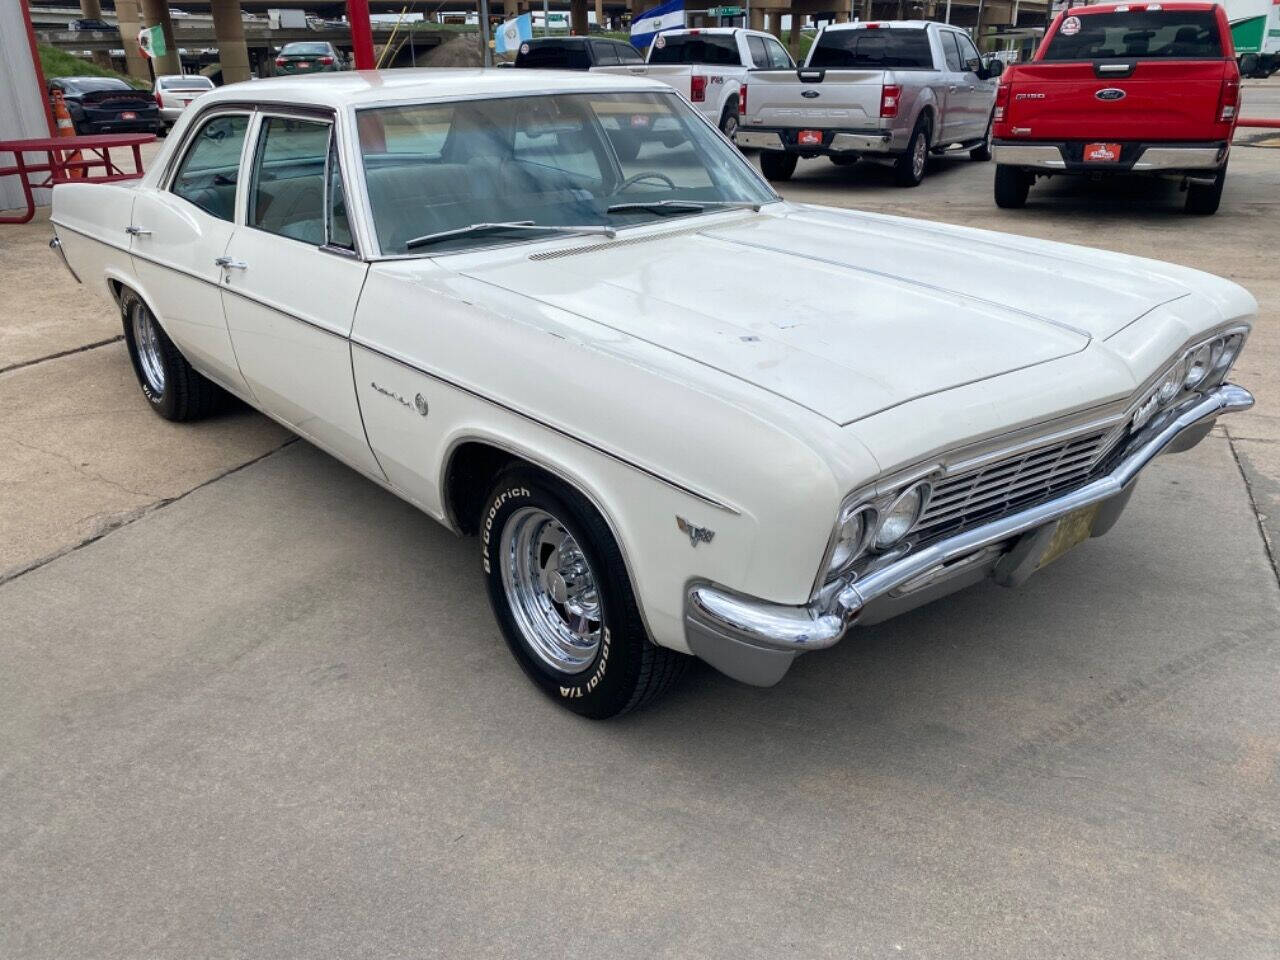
[
  {"x": 982, "y": 152},
  {"x": 560, "y": 592},
  {"x": 1204, "y": 198},
  {"x": 729, "y": 119},
  {"x": 908, "y": 169},
  {"x": 776, "y": 165},
  {"x": 172, "y": 386},
  {"x": 1012, "y": 186}
]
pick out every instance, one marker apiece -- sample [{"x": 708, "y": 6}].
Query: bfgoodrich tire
[
  {"x": 1012, "y": 186},
  {"x": 171, "y": 385},
  {"x": 776, "y": 165},
  {"x": 560, "y": 592}
]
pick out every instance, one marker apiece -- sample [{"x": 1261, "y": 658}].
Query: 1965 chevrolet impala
[{"x": 683, "y": 416}]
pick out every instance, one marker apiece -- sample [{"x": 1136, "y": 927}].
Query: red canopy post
[{"x": 361, "y": 33}]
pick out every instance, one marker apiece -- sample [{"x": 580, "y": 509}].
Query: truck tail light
[
  {"x": 159, "y": 100},
  {"x": 1002, "y": 102},
  {"x": 742, "y": 97},
  {"x": 889, "y": 96},
  {"x": 327, "y": 61},
  {"x": 1229, "y": 98},
  {"x": 698, "y": 88}
]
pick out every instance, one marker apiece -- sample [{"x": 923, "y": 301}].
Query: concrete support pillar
[
  {"x": 510, "y": 8},
  {"x": 92, "y": 10},
  {"x": 127, "y": 21},
  {"x": 793, "y": 42},
  {"x": 157, "y": 12},
  {"x": 578, "y": 17},
  {"x": 228, "y": 28},
  {"x": 757, "y": 19},
  {"x": 600, "y": 14}
]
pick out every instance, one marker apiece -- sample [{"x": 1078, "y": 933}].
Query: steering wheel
[{"x": 645, "y": 175}]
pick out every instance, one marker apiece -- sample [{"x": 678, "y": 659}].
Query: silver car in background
[{"x": 175, "y": 92}]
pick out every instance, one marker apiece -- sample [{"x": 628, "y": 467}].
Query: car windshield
[
  {"x": 599, "y": 160},
  {"x": 1137, "y": 35},
  {"x": 304, "y": 50},
  {"x": 887, "y": 48}
]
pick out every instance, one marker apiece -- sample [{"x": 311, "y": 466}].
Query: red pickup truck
[{"x": 1148, "y": 88}]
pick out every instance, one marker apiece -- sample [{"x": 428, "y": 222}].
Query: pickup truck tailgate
[
  {"x": 1166, "y": 100},
  {"x": 829, "y": 98}
]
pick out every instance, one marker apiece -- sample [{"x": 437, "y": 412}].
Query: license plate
[
  {"x": 128, "y": 115},
  {"x": 1102, "y": 153},
  {"x": 303, "y": 63},
  {"x": 809, "y": 138},
  {"x": 1072, "y": 530}
]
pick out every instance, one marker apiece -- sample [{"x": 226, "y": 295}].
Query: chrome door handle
[
  {"x": 227, "y": 263},
  {"x": 133, "y": 231}
]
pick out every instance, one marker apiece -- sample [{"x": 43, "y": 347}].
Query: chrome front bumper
[{"x": 755, "y": 641}]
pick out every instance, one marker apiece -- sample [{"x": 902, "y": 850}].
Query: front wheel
[
  {"x": 776, "y": 165},
  {"x": 175, "y": 390},
  {"x": 1012, "y": 186},
  {"x": 561, "y": 594},
  {"x": 1204, "y": 199},
  {"x": 908, "y": 169}
]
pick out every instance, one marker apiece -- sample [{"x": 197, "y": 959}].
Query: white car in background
[
  {"x": 175, "y": 92},
  {"x": 680, "y": 414}
]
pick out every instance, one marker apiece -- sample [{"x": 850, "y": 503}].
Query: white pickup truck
[
  {"x": 709, "y": 67},
  {"x": 895, "y": 91}
]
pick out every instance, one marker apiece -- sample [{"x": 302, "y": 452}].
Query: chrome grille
[{"x": 1018, "y": 481}]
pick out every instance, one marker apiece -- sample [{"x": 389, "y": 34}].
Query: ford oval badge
[
  {"x": 809, "y": 94},
  {"x": 1110, "y": 93}
]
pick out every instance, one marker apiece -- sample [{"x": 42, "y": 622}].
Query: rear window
[
  {"x": 719, "y": 49},
  {"x": 884, "y": 49},
  {"x": 304, "y": 49},
  {"x": 93, "y": 84},
  {"x": 186, "y": 83},
  {"x": 1137, "y": 35},
  {"x": 554, "y": 55}
]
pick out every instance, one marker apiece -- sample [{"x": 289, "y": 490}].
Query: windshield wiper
[
  {"x": 681, "y": 206},
  {"x": 585, "y": 228}
]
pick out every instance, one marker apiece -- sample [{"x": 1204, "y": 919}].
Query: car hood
[{"x": 846, "y": 314}]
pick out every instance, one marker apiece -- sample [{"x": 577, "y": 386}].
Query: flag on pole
[
  {"x": 647, "y": 25},
  {"x": 151, "y": 41},
  {"x": 514, "y": 32}
]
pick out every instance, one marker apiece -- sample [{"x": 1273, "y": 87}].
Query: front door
[
  {"x": 177, "y": 235},
  {"x": 290, "y": 282}
]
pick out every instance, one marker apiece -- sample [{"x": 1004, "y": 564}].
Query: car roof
[
  {"x": 363, "y": 88},
  {"x": 1137, "y": 8},
  {"x": 885, "y": 24}
]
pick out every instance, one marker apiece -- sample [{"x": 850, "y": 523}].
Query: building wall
[{"x": 22, "y": 105}]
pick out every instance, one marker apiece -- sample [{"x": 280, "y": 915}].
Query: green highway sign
[{"x": 725, "y": 12}]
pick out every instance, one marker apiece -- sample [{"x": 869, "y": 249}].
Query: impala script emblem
[
  {"x": 696, "y": 535},
  {"x": 419, "y": 402}
]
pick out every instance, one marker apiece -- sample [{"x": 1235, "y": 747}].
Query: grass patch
[{"x": 58, "y": 63}]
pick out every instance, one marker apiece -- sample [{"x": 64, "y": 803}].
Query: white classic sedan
[{"x": 683, "y": 416}]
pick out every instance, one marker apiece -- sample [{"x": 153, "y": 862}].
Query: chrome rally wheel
[
  {"x": 551, "y": 589},
  {"x": 147, "y": 340}
]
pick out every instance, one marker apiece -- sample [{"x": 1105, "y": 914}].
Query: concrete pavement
[{"x": 269, "y": 715}]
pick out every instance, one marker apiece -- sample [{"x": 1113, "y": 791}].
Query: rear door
[
  {"x": 1137, "y": 75},
  {"x": 177, "y": 233},
  {"x": 976, "y": 93}
]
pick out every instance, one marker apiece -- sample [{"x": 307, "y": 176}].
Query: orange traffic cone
[{"x": 66, "y": 128}]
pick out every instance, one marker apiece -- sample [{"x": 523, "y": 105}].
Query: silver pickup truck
[{"x": 894, "y": 91}]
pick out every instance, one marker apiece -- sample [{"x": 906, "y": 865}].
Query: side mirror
[
  {"x": 994, "y": 69},
  {"x": 1248, "y": 64}
]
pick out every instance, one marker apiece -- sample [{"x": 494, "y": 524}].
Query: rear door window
[
  {"x": 951, "y": 51},
  {"x": 759, "y": 55},
  {"x": 209, "y": 172},
  {"x": 1137, "y": 35},
  {"x": 885, "y": 48},
  {"x": 605, "y": 55},
  {"x": 716, "y": 49},
  {"x": 288, "y": 191}
]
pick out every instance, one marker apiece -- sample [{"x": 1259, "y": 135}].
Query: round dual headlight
[
  {"x": 897, "y": 521},
  {"x": 1171, "y": 385},
  {"x": 1225, "y": 355},
  {"x": 851, "y": 539},
  {"x": 1199, "y": 364}
]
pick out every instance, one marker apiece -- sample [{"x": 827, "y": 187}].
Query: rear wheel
[
  {"x": 909, "y": 168},
  {"x": 1012, "y": 186},
  {"x": 561, "y": 594},
  {"x": 776, "y": 165},
  {"x": 175, "y": 390},
  {"x": 982, "y": 152},
  {"x": 729, "y": 119},
  {"x": 1204, "y": 199}
]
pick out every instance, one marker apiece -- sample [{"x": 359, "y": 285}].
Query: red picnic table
[{"x": 69, "y": 160}]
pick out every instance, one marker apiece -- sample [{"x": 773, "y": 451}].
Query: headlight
[
  {"x": 1171, "y": 384},
  {"x": 1199, "y": 364},
  {"x": 897, "y": 521},
  {"x": 850, "y": 540},
  {"x": 1229, "y": 351}
]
